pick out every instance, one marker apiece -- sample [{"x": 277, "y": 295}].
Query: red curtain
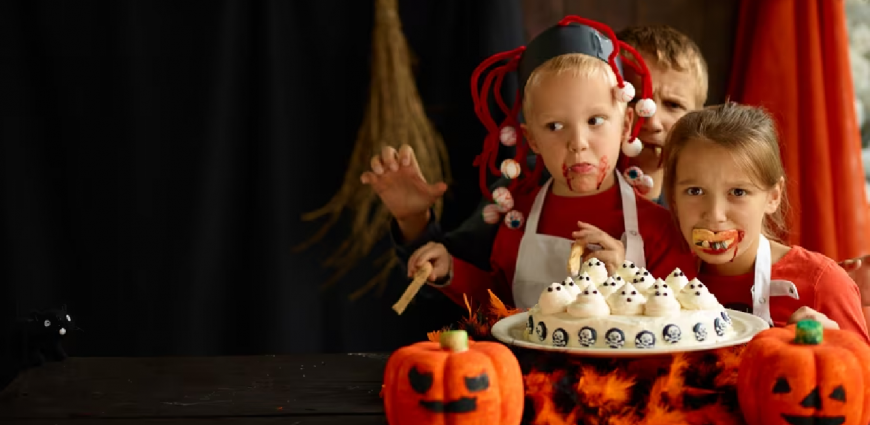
[{"x": 791, "y": 57}]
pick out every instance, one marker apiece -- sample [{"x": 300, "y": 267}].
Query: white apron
[
  {"x": 543, "y": 259},
  {"x": 764, "y": 288}
]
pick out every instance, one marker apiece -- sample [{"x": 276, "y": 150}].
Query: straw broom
[{"x": 394, "y": 115}]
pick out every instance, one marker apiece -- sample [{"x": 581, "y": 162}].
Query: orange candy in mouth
[{"x": 715, "y": 242}]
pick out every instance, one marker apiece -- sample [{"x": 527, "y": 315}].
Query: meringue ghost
[
  {"x": 554, "y": 299},
  {"x": 572, "y": 287},
  {"x": 642, "y": 280},
  {"x": 589, "y": 303},
  {"x": 627, "y": 270},
  {"x": 626, "y": 301},
  {"x": 662, "y": 302},
  {"x": 696, "y": 296},
  {"x": 596, "y": 270},
  {"x": 610, "y": 286},
  {"x": 677, "y": 280}
]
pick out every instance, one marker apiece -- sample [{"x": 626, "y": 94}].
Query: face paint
[
  {"x": 584, "y": 169},
  {"x": 567, "y": 178},
  {"x": 602, "y": 171}
]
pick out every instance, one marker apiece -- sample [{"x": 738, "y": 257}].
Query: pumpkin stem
[
  {"x": 808, "y": 332},
  {"x": 455, "y": 340}
]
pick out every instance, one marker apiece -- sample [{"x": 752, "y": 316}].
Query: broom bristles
[{"x": 394, "y": 115}]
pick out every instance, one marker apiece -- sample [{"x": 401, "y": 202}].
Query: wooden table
[{"x": 255, "y": 390}]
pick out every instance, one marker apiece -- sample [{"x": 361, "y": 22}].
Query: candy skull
[
  {"x": 700, "y": 331},
  {"x": 615, "y": 338},
  {"x": 541, "y": 331},
  {"x": 719, "y": 325},
  {"x": 672, "y": 334},
  {"x": 587, "y": 336},
  {"x": 560, "y": 338},
  {"x": 645, "y": 339}
]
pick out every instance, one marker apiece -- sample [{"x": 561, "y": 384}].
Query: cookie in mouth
[{"x": 712, "y": 242}]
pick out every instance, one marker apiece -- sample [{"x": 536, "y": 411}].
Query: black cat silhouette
[{"x": 41, "y": 335}]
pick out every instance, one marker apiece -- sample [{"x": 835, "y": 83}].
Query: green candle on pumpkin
[
  {"x": 808, "y": 332},
  {"x": 456, "y": 341}
]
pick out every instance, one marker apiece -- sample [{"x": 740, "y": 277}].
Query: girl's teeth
[{"x": 718, "y": 245}]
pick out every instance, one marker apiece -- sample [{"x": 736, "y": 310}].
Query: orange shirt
[{"x": 821, "y": 284}]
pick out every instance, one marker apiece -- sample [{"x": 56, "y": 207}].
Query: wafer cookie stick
[
  {"x": 575, "y": 260},
  {"x": 420, "y": 279}
]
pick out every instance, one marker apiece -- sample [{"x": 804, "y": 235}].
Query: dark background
[{"x": 157, "y": 157}]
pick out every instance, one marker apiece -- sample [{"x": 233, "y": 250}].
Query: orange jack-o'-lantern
[
  {"x": 805, "y": 375},
  {"x": 456, "y": 381}
]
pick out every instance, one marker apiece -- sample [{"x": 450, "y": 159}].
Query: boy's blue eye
[
  {"x": 596, "y": 121},
  {"x": 694, "y": 191},
  {"x": 738, "y": 192},
  {"x": 555, "y": 126}
]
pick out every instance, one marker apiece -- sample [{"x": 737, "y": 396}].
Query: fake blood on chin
[{"x": 586, "y": 168}]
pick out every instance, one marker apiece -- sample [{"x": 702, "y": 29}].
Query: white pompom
[
  {"x": 502, "y": 197},
  {"x": 510, "y": 168},
  {"x": 646, "y": 108},
  {"x": 632, "y": 148},
  {"x": 491, "y": 214},
  {"x": 645, "y": 180},
  {"x": 625, "y": 93},
  {"x": 508, "y": 136},
  {"x": 513, "y": 219}
]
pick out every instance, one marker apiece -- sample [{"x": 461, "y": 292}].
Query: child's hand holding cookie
[{"x": 612, "y": 251}]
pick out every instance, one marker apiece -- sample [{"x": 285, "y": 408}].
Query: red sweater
[
  {"x": 664, "y": 246},
  {"x": 821, "y": 285}
]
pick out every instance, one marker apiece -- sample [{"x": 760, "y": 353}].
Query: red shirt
[
  {"x": 664, "y": 246},
  {"x": 821, "y": 284}
]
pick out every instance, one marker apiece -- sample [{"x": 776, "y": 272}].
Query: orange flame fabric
[{"x": 687, "y": 388}]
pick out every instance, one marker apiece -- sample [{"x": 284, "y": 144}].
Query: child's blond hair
[
  {"x": 749, "y": 133},
  {"x": 579, "y": 65},
  {"x": 670, "y": 49}
]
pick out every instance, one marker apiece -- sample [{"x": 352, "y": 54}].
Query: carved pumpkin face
[
  {"x": 813, "y": 406},
  {"x": 789, "y": 379},
  {"x": 481, "y": 384}
]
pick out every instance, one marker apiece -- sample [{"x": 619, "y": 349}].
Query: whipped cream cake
[{"x": 628, "y": 309}]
